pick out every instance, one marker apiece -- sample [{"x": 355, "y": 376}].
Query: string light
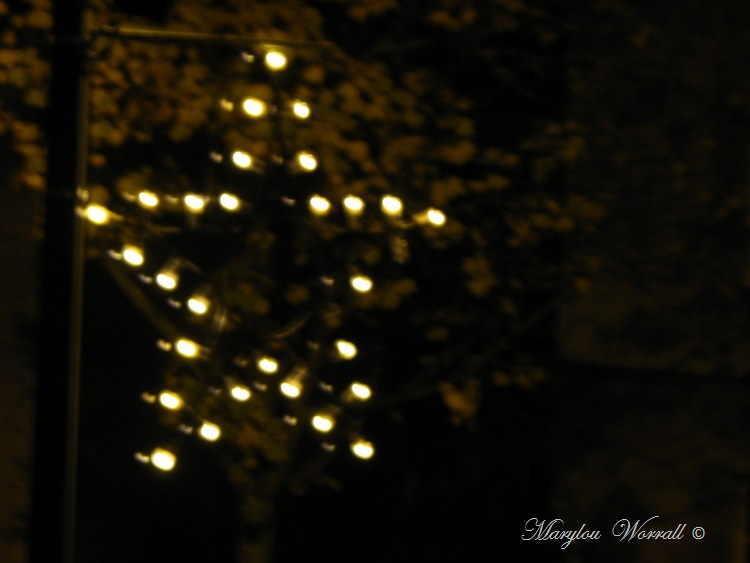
[
  {"x": 306, "y": 161},
  {"x": 354, "y": 205},
  {"x": 254, "y": 107},
  {"x": 268, "y": 365},
  {"x": 167, "y": 278},
  {"x": 170, "y": 400},
  {"x": 186, "y": 348},
  {"x": 361, "y": 284},
  {"x": 362, "y": 449},
  {"x": 194, "y": 202},
  {"x": 319, "y": 205},
  {"x": 291, "y": 388},
  {"x": 97, "y": 214},
  {"x": 300, "y": 109},
  {"x": 391, "y": 206},
  {"x": 347, "y": 350},
  {"x": 242, "y": 160},
  {"x": 163, "y": 459},
  {"x": 323, "y": 422},
  {"x": 436, "y": 217},
  {"x": 198, "y": 304},
  {"x": 148, "y": 199},
  {"x": 133, "y": 255},
  {"x": 240, "y": 393},
  {"x": 209, "y": 431},
  {"x": 360, "y": 391},
  {"x": 229, "y": 201},
  {"x": 275, "y": 60}
]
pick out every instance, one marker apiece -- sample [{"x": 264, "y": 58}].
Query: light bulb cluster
[
  {"x": 193, "y": 424},
  {"x": 391, "y": 207},
  {"x": 327, "y": 396},
  {"x": 179, "y": 281}
]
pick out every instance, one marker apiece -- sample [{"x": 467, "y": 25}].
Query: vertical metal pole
[{"x": 56, "y": 420}]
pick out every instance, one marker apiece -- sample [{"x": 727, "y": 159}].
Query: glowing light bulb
[
  {"x": 323, "y": 423},
  {"x": 254, "y": 107},
  {"x": 148, "y": 199},
  {"x": 268, "y": 365},
  {"x": 167, "y": 279},
  {"x": 361, "y": 284},
  {"x": 240, "y": 393},
  {"x": 291, "y": 389},
  {"x": 198, "y": 304},
  {"x": 300, "y": 109},
  {"x": 163, "y": 459},
  {"x": 275, "y": 60},
  {"x": 319, "y": 205},
  {"x": 363, "y": 449},
  {"x": 97, "y": 214},
  {"x": 186, "y": 348},
  {"x": 226, "y": 105},
  {"x": 209, "y": 431},
  {"x": 306, "y": 161},
  {"x": 391, "y": 206},
  {"x": 229, "y": 201},
  {"x": 133, "y": 255},
  {"x": 436, "y": 217},
  {"x": 170, "y": 400},
  {"x": 241, "y": 159},
  {"x": 360, "y": 391},
  {"x": 347, "y": 350},
  {"x": 194, "y": 202},
  {"x": 354, "y": 205}
]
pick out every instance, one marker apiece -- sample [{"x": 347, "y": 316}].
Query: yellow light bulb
[
  {"x": 254, "y": 107},
  {"x": 347, "y": 350},
  {"x": 229, "y": 201},
  {"x": 391, "y": 206},
  {"x": 307, "y": 161},
  {"x": 240, "y": 393},
  {"x": 361, "y": 284},
  {"x": 275, "y": 60},
  {"x": 300, "y": 109},
  {"x": 198, "y": 304},
  {"x": 360, "y": 391},
  {"x": 436, "y": 217},
  {"x": 167, "y": 279},
  {"x": 226, "y": 105},
  {"x": 148, "y": 199},
  {"x": 241, "y": 159},
  {"x": 194, "y": 202},
  {"x": 354, "y": 205},
  {"x": 186, "y": 348},
  {"x": 170, "y": 400},
  {"x": 323, "y": 423},
  {"x": 363, "y": 449},
  {"x": 97, "y": 214},
  {"x": 291, "y": 389},
  {"x": 319, "y": 205},
  {"x": 163, "y": 459},
  {"x": 209, "y": 431},
  {"x": 268, "y": 365},
  {"x": 133, "y": 255}
]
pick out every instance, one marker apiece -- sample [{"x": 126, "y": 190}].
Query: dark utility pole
[{"x": 56, "y": 424}]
